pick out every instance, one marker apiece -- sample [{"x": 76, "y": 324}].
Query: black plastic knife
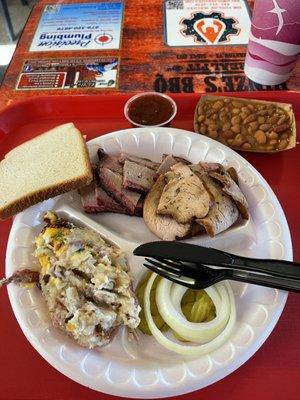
[{"x": 191, "y": 253}]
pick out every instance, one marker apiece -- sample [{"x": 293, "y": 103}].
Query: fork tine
[
  {"x": 161, "y": 271},
  {"x": 181, "y": 280},
  {"x": 197, "y": 272},
  {"x": 177, "y": 270},
  {"x": 183, "y": 265},
  {"x": 159, "y": 263},
  {"x": 171, "y": 263}
]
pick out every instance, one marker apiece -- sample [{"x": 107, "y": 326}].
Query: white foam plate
[{"x": 145, "y": 369}]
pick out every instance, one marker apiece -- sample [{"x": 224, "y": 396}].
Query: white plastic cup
[{"x": 274, "y": 43}]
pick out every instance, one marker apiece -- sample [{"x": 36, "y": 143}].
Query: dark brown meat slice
[
  {"x": 95, "y": 200},
  {"x": 139, "y": 207},
  {"x": 111, "y": 182},
  {"x": 196, "y": 230},
  {"x": 138, "y": 160},
  {"x": 110, "y": 162},
  {"x": 101, "y": 153},
  {"x": 89, "y": 199},
  {"x": 22, "y": 276},
  {"x": 179, "y": 159},
  {"x": 234, "y": 175},
  {"x": 106, "y": 203},
  {"x": 208, "y": 167},
  {"x": 216, "y": 167},
  {"x": 137, "y": 177},
  {"x": 167, "y": 162},
  {"x": 232, "y": 189}
]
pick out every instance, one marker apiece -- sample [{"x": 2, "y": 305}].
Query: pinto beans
[{"x": 247, "y": 125}]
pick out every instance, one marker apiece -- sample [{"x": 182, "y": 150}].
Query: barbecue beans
[{"x": 245, "y": 125}]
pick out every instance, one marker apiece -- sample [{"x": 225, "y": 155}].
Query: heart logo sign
[{"x": 210, "y": 28}]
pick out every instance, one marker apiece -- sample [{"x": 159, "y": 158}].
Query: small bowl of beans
[{"x": 247, "y": 125}]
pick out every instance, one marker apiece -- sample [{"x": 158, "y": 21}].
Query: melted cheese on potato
[{"x": 85, "y": 282}]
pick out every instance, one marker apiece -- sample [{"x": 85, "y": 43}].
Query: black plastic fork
[{"x": 199, "y": 276}]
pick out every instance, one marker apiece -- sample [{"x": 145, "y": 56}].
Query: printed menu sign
[
  {"x": 79, "y": 26},
  {"x": 194, "y": 23},
  {"x": 69, "y": 73}
]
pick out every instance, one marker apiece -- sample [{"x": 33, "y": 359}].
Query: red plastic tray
[{"x": 273, "y": 373}]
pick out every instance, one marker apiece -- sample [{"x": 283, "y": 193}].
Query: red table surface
[{"x": 272, "y": 373}]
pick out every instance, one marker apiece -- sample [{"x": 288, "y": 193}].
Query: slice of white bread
[{"x": 50, "y": 164}]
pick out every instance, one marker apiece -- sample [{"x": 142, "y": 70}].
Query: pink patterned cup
[{"x": 274, "y": 43}]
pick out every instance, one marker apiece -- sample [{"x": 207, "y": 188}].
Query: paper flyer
[
  {"x": 72, "y": 73},
  {"x": 194, "y": 23},
  {"x": 79, "y": 26}
]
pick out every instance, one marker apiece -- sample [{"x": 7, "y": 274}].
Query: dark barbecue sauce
[{"x": 150, "y": 110}]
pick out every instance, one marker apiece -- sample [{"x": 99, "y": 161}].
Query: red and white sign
[
  {"x": 69, "y": 73},
  {"x": 41, "y": 80}
]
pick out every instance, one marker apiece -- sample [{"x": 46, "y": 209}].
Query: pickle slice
[{"x": 196, "y": 306}]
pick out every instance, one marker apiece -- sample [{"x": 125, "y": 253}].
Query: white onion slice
[
  {"x": 201, "y": 332},
  {"x": 191, "y": 350}
]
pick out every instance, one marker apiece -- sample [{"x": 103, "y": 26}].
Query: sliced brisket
[
  {"x": 106, "y": 203},
  {"x": 110, "y": 162},
  {"x": 138, "y": 160},
  {"x": 167, "y": 162},
  {"x": 137, "y": 177},
  {"x": 89, "y": 199},
  {"x": 111, "y": 182}
]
